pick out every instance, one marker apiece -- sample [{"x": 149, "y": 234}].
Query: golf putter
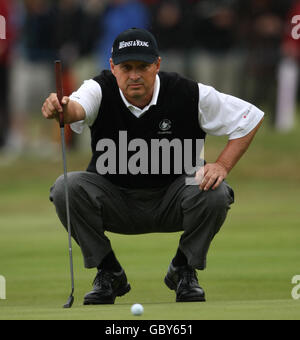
[{"x": 59, "y": 91}]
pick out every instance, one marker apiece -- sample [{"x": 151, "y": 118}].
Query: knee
[
  {"x": 57, "y": 191},
  {"x": 214, "y": 200},
  {"x": 219, "y": 199}
]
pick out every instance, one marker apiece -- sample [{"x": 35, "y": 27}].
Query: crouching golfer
[{"x": 145, "y": 127}]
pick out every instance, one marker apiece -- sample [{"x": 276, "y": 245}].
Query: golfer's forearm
[
  {"x": 73, "y": 112},
  {"x": 235, "y": 149}
]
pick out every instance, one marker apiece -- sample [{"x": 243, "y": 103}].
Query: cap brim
[{"x": 134, "y": 57}]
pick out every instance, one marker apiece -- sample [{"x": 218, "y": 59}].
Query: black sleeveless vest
[{"x": 172, "y": 122}]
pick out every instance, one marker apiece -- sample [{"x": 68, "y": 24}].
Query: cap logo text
[{"x": 132, "y": 43}]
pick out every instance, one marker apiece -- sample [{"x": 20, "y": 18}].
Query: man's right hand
[{"x": 51, "y": 107}]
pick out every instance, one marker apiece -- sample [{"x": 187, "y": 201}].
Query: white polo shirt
[{"x": 219, "y": 114}]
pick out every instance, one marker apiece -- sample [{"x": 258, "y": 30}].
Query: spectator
[
  {"x": 171, "y": 23},
  {"x": 216, "y": 60},
  {"x": 291, "y": 41},
  {"x": 32, "y": 74},
  {"x": 119, "y": 16},
  {"x": 288, "y": 72},
  {"x": 67, "y": 35},
  {"x": 6, "y": 10},
  {"x": 68, "y": 19},
  {"x": 263, "y": 25},
  {"x": 90, "y": 29}
]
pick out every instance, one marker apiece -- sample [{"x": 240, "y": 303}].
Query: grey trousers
[{"x": 97, "y": 205}]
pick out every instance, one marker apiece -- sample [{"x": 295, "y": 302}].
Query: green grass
[{"x": 250, "y": 264}]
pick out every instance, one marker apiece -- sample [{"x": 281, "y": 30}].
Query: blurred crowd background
[{"x": 240, "y": 47}]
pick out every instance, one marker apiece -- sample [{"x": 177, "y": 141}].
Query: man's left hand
[{"x": 211, "y": 176}]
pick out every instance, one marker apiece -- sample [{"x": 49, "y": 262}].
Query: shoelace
[
  {"x": 103, "y": 279},
  {"x": 189, "y": 275}
]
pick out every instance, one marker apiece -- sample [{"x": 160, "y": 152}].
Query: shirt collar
[{"x": 152, "y": 102}]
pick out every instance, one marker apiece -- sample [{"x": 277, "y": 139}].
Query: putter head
[{"x": 69, "y": 302}]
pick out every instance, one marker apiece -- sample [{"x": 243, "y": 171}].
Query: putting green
[{"x": 250, "y": 264}]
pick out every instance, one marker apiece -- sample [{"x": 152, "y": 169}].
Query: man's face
[{"x": 136, "y": 80}]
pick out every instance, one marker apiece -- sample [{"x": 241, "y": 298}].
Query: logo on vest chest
[{"x": 165, "y": 127}]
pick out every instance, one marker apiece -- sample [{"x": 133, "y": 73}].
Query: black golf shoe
[
  {"x": 184, "y": 281},
  {"x": 106, "y": 287}
]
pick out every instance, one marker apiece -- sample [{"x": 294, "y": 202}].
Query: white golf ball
[{"x": 137, "y": 309}]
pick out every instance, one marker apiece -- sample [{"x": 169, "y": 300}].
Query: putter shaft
[
  {"x": 59, "y": 91},
  {"x": 62, "y": 133}
]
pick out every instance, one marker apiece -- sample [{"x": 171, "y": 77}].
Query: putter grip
[{"x": 59, "y": 89}]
